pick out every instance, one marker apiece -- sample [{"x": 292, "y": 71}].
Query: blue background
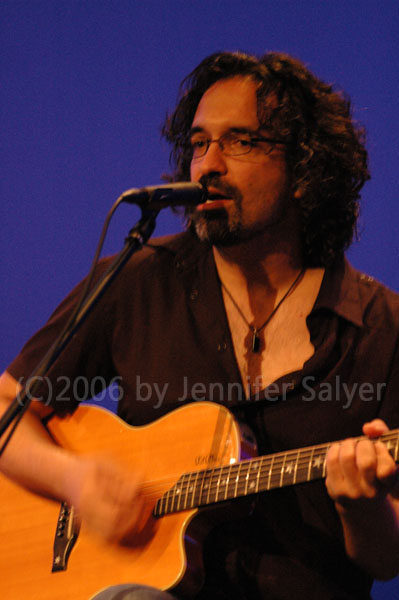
[{"x": 85, "y": 87}]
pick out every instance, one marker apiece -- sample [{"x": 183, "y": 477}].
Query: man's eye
[
  {"x": 242, "y": 142},
  {"x": 198, "y": 143}
]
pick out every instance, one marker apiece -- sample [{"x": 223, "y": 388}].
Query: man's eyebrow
[{"x": 198, "y": 129}]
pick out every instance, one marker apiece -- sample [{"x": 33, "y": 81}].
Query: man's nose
[{"x": 213, "y": 161}]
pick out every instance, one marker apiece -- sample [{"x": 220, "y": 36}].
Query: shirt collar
[{"x": 340, "y": 292}]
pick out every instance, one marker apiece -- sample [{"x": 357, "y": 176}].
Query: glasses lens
[
  {"x": 236, "y": 145},
  {"x": 231, "y": 144},
  {"x": 199, "y": 145}
]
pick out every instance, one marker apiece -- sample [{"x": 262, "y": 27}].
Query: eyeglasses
[{"x": 232, "y": 144}]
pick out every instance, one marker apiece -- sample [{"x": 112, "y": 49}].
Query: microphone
[{"x": 156, "y": 197}]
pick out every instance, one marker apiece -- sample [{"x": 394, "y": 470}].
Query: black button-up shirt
[{"x": 161, "y": 333}]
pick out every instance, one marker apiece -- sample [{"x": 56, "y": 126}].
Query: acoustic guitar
[{"x": 192, "y": 459}]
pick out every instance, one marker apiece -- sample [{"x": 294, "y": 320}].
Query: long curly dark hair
[{"x": 325, "y": 152}]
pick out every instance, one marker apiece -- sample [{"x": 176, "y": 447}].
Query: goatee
[
  {"x": 218, "y": 227},
  {"x": 214, "y": 227}
]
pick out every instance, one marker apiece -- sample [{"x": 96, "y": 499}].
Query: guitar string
[
  {"x": 216, "y": 479},
  {"x": 230, "y": 488},
  {"x": 278, "y": 458},
  {"x": 273, "y": 463}
]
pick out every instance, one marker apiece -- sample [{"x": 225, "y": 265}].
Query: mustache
[{"x": 224, "y": 188}]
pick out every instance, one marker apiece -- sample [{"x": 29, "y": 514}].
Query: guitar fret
[
  {"x": 238, "y": 477},
  {"x": 221, "y": 485},
  {"x": 210, "y": 486},
  {"x": 277, "y": 476},
  {"x": 194, "y": 493},
  {"x": 189, "y": 489},
  {"x": 163, "y": 504},
  {"x": 296, "y": 467},
  {"x": 318, "y": 463},
  {"x": 168, "y": 495},
  {"x": 226, "y": 491},
  {"x": 288, "y": 471},
  {"x": 251, "y": 476},
  {"x": 195, "y": 496},
  {"x": 158, "y": 507},
  {"x": 218, "y": 485},
  {"x": 182, "y": 491},
  {"x": 202, "y": 488},
  {"x": 176, "y": 493},
  {"x": 303, "y": 466},
  {"x": 282, "y": 470},
  {"x": 252, "y": 471},
  {"x": 389, "y": 445},
  {"x": 259, "y": 469},
  {"x": 310, "y": 464},
  {"x": 248, "y": 465},
  {"x": 269, "y": 478},
  {"x": 325, "y": 461},
  {"x": 214, "y": 485}
]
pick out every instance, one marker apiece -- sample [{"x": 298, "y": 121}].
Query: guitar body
[{"x": 165, "y": 554}]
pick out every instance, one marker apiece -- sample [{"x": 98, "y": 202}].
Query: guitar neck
[{"x": 201, "y": 488}]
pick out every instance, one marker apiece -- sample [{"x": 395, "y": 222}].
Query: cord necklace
[{"x": 256, "y": 330}]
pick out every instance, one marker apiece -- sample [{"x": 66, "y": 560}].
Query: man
[{"x": 253, "y": 307}]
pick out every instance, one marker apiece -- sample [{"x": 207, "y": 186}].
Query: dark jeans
[{"x": 130, "y": 591}]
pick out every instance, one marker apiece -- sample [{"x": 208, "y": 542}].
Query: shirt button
[
  {"x": 194, "y": 294},
  {"x": 366, "y": 278},
  {"x": 180, "y": 264},
  {"x": 222, "y": 347}
]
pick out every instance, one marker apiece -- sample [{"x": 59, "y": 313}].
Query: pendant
[{"x": 255, "y": 342}]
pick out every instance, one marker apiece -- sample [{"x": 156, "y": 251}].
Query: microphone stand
[{"x": 135, "y": 240}]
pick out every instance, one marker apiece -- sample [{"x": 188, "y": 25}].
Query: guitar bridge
[{"x": 66, "y": 534}]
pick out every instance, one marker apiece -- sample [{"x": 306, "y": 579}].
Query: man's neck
[{"x": 252, "y": 264}]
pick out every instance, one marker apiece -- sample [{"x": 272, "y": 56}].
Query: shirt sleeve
[{"x": 390, "y": 405}]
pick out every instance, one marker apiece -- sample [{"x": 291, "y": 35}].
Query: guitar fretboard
[{"x": 202, "y": 488}]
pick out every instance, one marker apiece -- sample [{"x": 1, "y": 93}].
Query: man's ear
[{"x": 298, "y": 192}]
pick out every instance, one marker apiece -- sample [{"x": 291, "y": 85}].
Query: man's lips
[
  {"x": 214, "y": 204},
  {"x": 216, "y": 201}
]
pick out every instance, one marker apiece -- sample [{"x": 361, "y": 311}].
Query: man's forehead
[
  {"x": 235, "y": 99},
  {"x": 228, "y": 103}
]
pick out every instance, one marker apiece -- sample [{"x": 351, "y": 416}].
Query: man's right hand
[{"x": 108, "y": 498}]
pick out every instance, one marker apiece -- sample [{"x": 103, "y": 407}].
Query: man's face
[{"x": 252, "y": 193}]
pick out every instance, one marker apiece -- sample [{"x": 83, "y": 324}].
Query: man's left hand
[{"x": 359, "y": 470}]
